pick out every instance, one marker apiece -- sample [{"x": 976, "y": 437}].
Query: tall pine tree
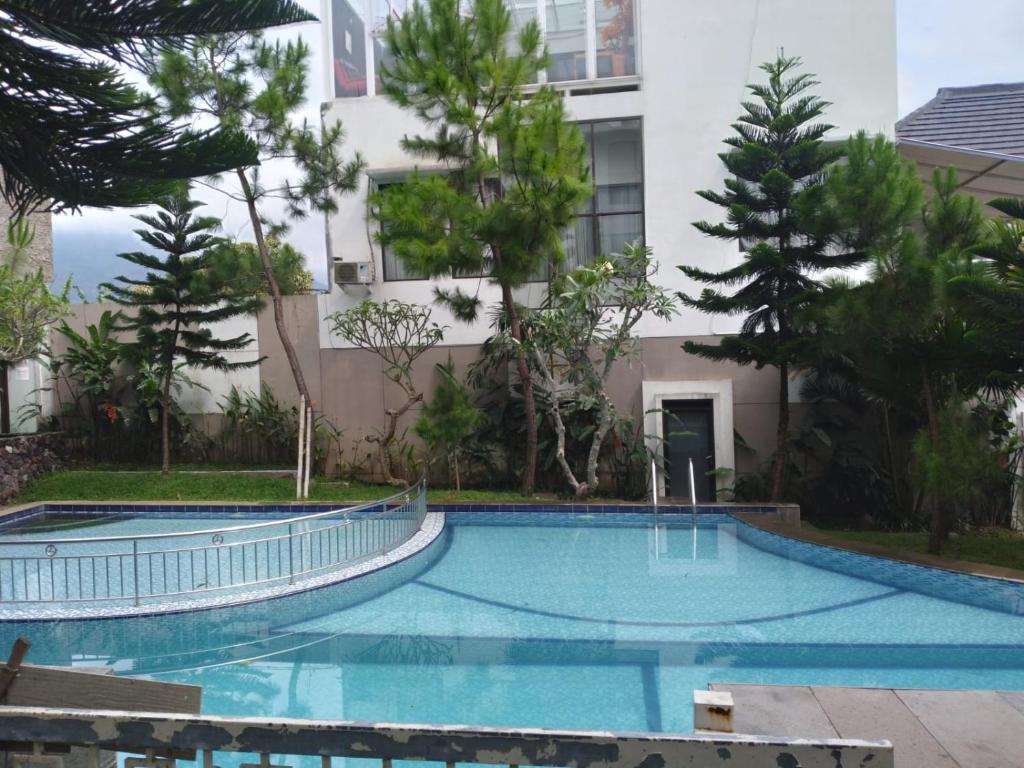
[
  {"x": 776, "y": 161},
  {"x": 178, "y": 299},
  {"x": 518, "y": 167}
]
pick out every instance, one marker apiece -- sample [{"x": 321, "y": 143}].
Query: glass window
[
  {"x": 617, "y": 169},
  {"x": 614, "y": 216},
  {"x": 382, "y": 11},
  {"x": 616, "y": 38},
  {"x": 567, "y": 39},
  {"x": 394, "y": 267},
  {"x": 349, "y": 37}
]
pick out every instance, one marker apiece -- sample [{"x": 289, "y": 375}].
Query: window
[
  {"x": 566, "y": 32},
  {"x": 586, "y": 39},
  {"x": 616, "y": 38},
  {"x": 395, "y": 269},
  {"x": 614, "y": 216},
  {"x": 349, "y": 36}
]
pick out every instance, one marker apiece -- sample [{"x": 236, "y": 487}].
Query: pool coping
[{"x": 772, "y": 524}]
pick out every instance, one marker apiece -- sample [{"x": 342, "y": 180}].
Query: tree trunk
[
  {"x": 275, "y": 289},
  {"x": 603, "y": 425},
  {"x": 5, "y": 400},
  {"x": 386, "y": 440},
  {"x": 523, "y": 368},
  {"x": 781, "y": 437},
  {"x": 165, "y": 423},
  {"x": 937, "y": 531}
]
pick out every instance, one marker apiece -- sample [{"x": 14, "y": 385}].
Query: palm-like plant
[{"x": 74, "y": 131}]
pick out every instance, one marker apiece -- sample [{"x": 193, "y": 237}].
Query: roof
[{"x": 983, "y": 118}]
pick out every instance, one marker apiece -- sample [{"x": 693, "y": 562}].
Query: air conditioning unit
[{"x": 353, "y": 273}]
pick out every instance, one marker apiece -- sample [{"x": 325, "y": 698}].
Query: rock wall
[{"x": 25, "y": 457}]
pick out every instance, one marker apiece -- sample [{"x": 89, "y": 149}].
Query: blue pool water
[{"x": 562, "y": 620}]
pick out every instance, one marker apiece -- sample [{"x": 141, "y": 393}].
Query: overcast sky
[{"x": 941, "y": 43}]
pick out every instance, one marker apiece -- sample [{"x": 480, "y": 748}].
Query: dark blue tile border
[{"x": 995, "y": 594}]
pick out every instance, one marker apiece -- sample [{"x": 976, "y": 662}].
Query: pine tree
[
  {"x": 449, "y": 418},
  {"x": 247, "y": 84},
  {"x": 74, "y": 132},
  {"x": 517, "y": 167},
  {"x": 177, "y": 301},
  {"x": 776, "y": 161}
]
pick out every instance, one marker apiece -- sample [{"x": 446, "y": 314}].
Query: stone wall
[{"x": 25, "y": 457}]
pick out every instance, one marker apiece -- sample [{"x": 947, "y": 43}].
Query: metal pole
[
  {"x": 654, "y": 483},
  {"x": 302, "y": 427},
  {"x": 291, "y": 569},
  {"x": 693, "y": 491},
  {"x": 135, "y": 568},
  {"x": 309, "y": 451}
]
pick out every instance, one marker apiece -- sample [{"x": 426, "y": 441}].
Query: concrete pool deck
[{"x": 928, "y": 728}]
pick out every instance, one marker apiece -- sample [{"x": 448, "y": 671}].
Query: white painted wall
[
  {"x": 215, "y": 385},
  {"x": 696, "y": 57}
]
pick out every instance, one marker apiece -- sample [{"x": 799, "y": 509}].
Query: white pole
[
  {"x": 654, "y": 483},
  {"x": 309, "y": 452},
  {"x": 693, "y": 490},
  {"x": 302, "y": 433}
]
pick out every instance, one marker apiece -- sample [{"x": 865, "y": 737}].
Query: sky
[{"x": 940, "y": 43}]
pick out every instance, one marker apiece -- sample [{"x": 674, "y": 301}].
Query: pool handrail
[
  {"x": 115, "y": 569},
  {"x": 404, "y": 494}
]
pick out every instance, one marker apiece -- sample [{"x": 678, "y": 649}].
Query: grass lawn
[
  {"x": 994, "y": 546},
  {"x": 99, "y": 485}
]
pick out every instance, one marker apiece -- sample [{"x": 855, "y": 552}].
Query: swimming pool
[{"x": 605, "y": 621}]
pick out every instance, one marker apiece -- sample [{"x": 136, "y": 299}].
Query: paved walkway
[{"x": 928, "y": 729}]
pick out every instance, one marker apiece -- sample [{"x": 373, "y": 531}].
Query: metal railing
[
  {"x": 152, "y": 567},
  {"x": 160, "y": 737}
]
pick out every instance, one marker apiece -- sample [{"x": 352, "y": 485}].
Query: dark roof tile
[{"x": 986, "y": 118}]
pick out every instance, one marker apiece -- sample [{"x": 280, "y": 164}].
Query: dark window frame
[{"x": 593, "y": 214}]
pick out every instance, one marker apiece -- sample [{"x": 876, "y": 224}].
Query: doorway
[{"x": 689, "y": 431}]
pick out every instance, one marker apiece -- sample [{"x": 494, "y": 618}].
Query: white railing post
[
  {"x": 135, "y": 567},
  {"x": 302, "y": 427}
]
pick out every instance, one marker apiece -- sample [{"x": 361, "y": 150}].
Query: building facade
[
  {"x": 654, "y": 85},
  {"x": 21, "y": 383}
]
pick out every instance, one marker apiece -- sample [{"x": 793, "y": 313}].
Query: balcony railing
[
  {"x": 154, "y": 568},
  {"x": 279, "y": 741}
]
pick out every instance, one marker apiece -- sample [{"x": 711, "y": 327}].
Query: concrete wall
[
  {"x": 212, "y": 385},
  {"x": 40, "y": 253}
]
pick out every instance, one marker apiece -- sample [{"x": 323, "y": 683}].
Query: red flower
[{"x": 110, "y": 411}]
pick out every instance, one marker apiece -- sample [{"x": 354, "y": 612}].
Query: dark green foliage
[
  {"x": 449, "y": 418},
  {"x": 913, "y": 369},
  {"x": 776, "y": 160},
  {"x": 74, "y": 132},
  {"x": 246, "y": 84},
  {"x": 238, "y": 267},
  {"x": 259, "y": 429},
  {"x": 176, "y": 302},
  {"x": 517, "y": 167}
]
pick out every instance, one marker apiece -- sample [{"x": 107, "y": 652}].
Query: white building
[{"x": 655, "y": 85}]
